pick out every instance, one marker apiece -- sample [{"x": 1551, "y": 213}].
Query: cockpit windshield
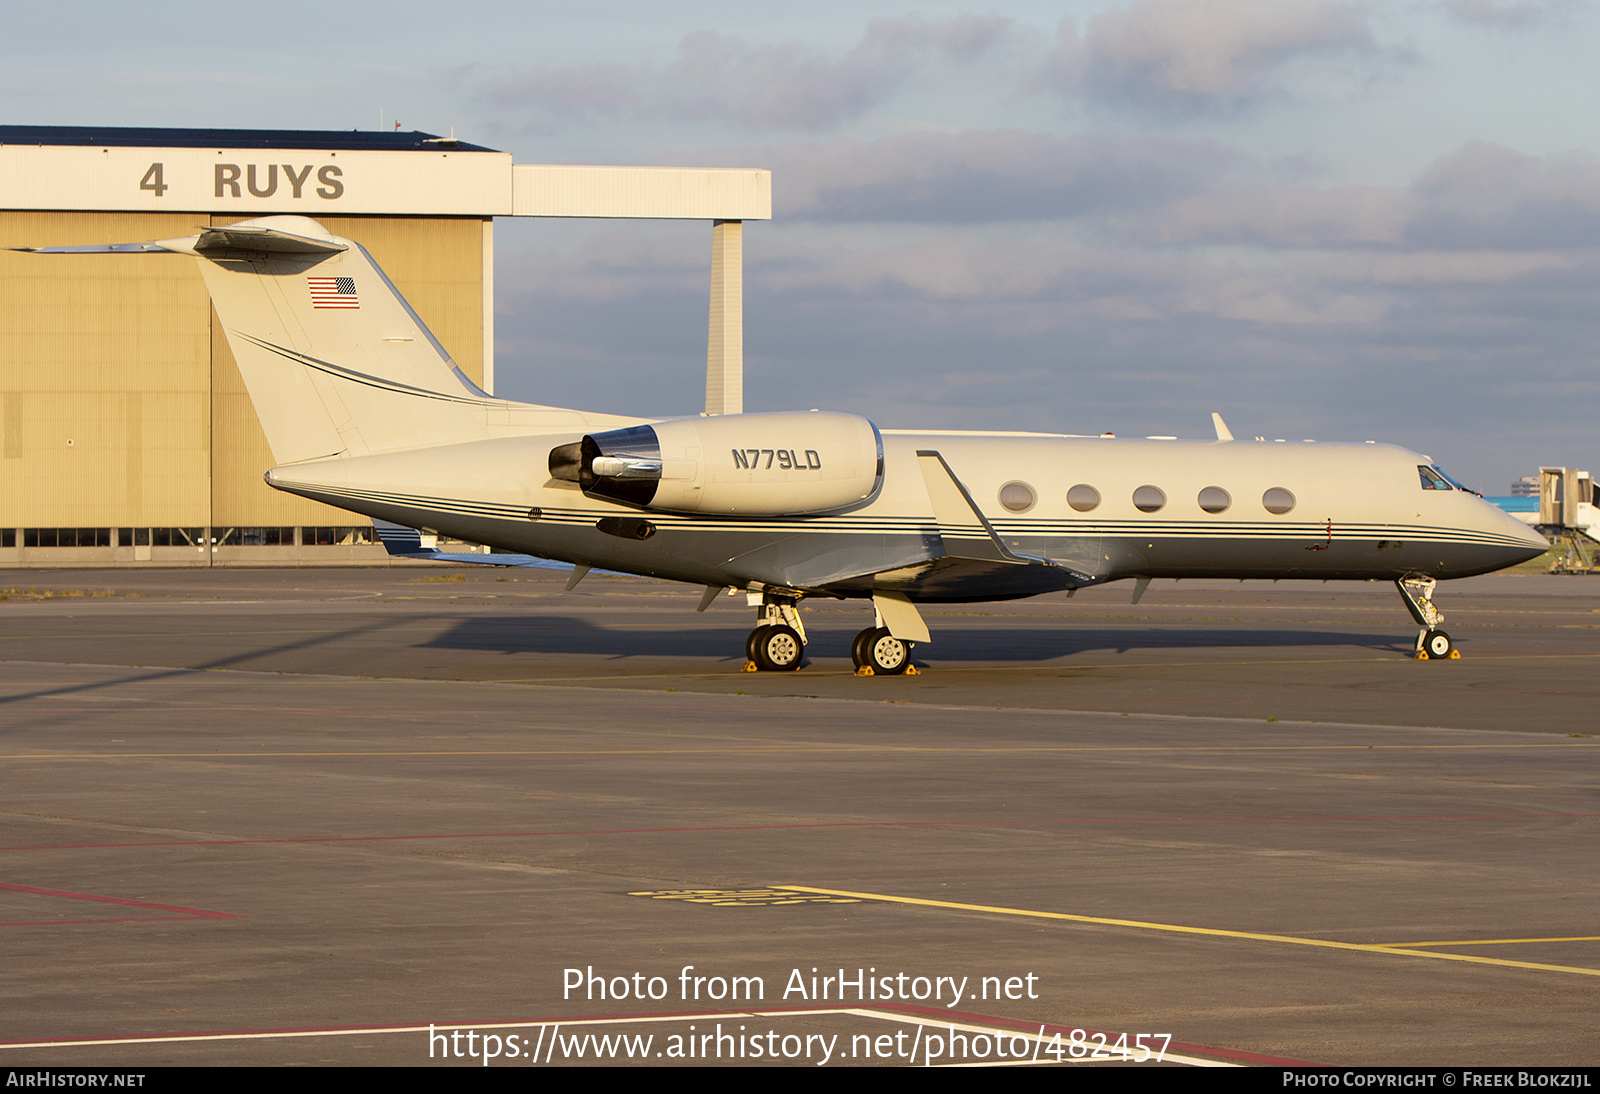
[{"x": 1436, "y": 478}]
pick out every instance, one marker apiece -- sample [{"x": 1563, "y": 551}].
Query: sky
[{"x": 1323, "y": 219}]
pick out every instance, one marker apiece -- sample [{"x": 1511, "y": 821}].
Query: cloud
[
  {"x": 546, "y": 96},
  {"x": 755, "y": 86},
  {"x": 1481, "y": 197},
  {"x": 981, "y": 176},
  {"x": 1179, "y": 54},
  {"x": 1167, "y": 193},
  {"x": 1488, "y": 196},
  {"x": 785, "y": 86},
  {"x": 1509, "y": 14},
  {"x": 1260, "y": 215}
]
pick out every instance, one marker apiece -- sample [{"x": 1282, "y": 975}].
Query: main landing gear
[
  {"x": 778, "y": 644},
  {"x": 884, "y": 649},
  {"x": 876, "y": 652},
  {"x": 1432, "y": 643}
]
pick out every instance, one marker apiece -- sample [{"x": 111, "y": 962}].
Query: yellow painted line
[
  {"x": 1495, "y": 941},
  {"x": 1173, "y": 928}
]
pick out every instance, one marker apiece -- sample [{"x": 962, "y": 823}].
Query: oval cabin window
[
  {"x": 1083, "y": 497},
  {"x": 1018, "y": 497},
  {"x": 1214, "y": 499},
  {"x": 1148, "y": 499},
  {"x": 1277, "y": 500}
]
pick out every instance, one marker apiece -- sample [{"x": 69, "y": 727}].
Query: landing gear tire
[
  {"x": 751, "y": 643},
  {"x": 1437, "y": 645},
  {"x": 885, "y": 654},
  {"x": 858, "y": 647},
  {"x": 777, "y": 648}
]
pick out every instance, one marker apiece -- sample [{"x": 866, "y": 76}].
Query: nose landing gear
[{"x": 1433, "y": 644}]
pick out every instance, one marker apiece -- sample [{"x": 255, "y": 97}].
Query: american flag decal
[{"x": 333, "y": 292}]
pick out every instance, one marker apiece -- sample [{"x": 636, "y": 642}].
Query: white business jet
[{"x": 365, "y": 410}]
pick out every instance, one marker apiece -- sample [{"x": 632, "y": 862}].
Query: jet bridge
[{"x": 1569, "y": 516}]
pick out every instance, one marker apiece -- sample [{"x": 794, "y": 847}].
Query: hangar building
[{"x": 126, "y": 434}]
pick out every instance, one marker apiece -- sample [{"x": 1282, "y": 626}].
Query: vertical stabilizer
[{"x": 314, "y": 323}]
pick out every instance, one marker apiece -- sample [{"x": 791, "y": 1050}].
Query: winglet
[
  {"x": 1221, "y": 426},
  {"x": 966, "y": 532}
]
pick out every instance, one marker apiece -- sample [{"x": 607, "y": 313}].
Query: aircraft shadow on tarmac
[{"x": 567, "y": 635}]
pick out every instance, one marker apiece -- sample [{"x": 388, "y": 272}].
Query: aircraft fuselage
[{"x": 1165, "y": 509}]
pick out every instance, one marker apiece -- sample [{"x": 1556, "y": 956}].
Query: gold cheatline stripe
[
  {"x": 1174, "y": 928},
  {"x": 1132, "y": 529}
]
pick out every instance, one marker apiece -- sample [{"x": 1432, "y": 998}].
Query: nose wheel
[{"x": 1433, "y": 645}]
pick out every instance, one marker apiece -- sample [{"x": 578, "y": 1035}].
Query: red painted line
[
  {"x": 75, "y": 922},
  {"x": 180, "y": 911},
  {"x": 802, "y": 827}
]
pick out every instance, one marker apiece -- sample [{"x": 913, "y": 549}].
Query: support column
[
  {"x": 488, "y": 305},
  {"x": 725, "y": 344}
]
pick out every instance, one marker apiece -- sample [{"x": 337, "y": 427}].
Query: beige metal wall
[
  {"x": 105, "y": 366},
  {"x": 120, "y": 405}
]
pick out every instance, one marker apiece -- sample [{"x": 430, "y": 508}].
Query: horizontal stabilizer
[
  {"x": 403, "y": 542},
  {"x": 101, "y": 249},
  {"x": 310, "y": 238},
  {"x": 263, "y": 239}
]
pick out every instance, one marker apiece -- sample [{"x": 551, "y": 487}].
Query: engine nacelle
[{"x": 759, "y": 465}]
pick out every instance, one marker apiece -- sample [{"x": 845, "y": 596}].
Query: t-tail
[{"x": 335, "y": 360}]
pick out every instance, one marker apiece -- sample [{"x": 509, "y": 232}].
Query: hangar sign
[{"x": 254, "y": 181}]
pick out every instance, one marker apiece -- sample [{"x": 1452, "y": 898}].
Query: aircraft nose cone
[
  {"x": 1535, "y": 541},
  {"x": 1506, "y": 540},
  {"x": 1532, "y": 544}
]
